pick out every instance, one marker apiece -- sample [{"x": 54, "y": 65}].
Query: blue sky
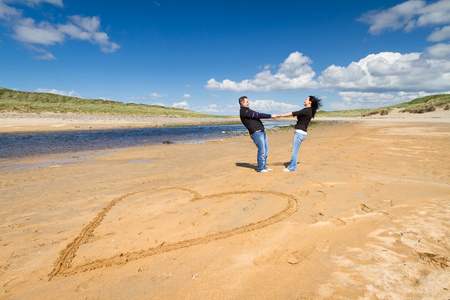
[{"x": 204, "y": 55}]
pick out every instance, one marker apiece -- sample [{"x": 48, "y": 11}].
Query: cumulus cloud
[
  {"x": 157, "y": 96},
  {"x": 388, "y": 71},
  {"x": 294, "y": 73},
  {"x": 187, "y": 96},
  {"x": 211, "y": 109},
  {"x": 271, "y": 106},
  {"x": 183, "y": 105},
  {"x": 43, "y": 33},
  {"x": 72, "y": 93},
  {"x": 359, "y": 100},
  {"x": 410, "y": 15}
]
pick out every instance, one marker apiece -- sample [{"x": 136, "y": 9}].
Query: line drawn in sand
[{"x": 63, "y": 264}]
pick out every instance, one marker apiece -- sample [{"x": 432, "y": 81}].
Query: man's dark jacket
[{"x": 251, "y": 119}]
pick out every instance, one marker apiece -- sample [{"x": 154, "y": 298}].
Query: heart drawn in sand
[{"x": 64, "y": 265}]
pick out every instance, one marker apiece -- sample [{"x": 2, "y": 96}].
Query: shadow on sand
[{"x": 255, "y": 166}]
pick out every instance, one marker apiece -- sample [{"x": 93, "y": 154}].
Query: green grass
[
  {"x": 419, "y": 105},
  {"x": 29, "y": 102},
  {"x": 343, "y": 113},
  {"x": 425, "y": 104}
]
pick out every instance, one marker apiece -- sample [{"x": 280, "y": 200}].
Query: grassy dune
[
  {"x": 29, "y": 102},
  {"x": 419, "y": 105}
]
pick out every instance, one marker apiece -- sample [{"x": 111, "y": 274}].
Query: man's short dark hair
[{"x": 241, "y": 99}]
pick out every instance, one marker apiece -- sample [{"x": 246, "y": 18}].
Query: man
[{"x": 251, "y": 120}]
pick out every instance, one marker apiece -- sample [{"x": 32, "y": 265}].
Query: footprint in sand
[{"x": 339, "y": 222}]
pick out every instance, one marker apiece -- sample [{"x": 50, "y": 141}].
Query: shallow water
[{"x": 16, "y": 145}]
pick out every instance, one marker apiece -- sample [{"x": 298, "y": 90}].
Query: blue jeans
[
  {"x": 262, "y": 143},
  {"x": 298, "y": 139}
]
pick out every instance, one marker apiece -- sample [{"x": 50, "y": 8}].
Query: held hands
[{"x": 280, "y": 116}]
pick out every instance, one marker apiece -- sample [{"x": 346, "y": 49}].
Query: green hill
[
  {"x": 30, "y": 102},
  {"x": 419, "y": 105}
]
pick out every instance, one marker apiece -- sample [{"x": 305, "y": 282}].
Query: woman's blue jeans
[
  {"x": 299, "y": 136},
  {"x": 262, "y": 143}
]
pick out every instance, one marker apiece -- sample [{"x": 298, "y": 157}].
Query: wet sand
[{"x": 366, "y": 216}]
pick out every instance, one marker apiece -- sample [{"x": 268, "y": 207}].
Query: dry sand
[{"x": 365, "y": 217}]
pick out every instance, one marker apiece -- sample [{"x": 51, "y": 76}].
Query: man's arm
[
  {"x": 257, "y": 115},
  {"x": 248, "y": 113}
]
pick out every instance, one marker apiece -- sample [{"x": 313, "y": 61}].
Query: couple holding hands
[{"x": 251, "y": 120}]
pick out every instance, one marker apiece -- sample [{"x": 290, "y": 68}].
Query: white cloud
[
  {"x": 210, "y": 109},
  {"x": 88, "y": 28},
  {"x": 434, "y": 14},
  {"x": 359, "y": 100},
  {"x": 215, "y": 96},
  {"x": 440, "y": 35},
  {"x": 187, "y": 96},
  {"x": 72, "y": 93},
  {"x": 157, "y": 96},
  {"x": 265, "y": 67},
  {"x": 389, "y": 78},
  {"x": 33, "y": 3},
  {"x": 294, "y": 73},
  {"x": 42, "y": 33},
  {"x": 42, "y": 53},
  {"x": 408, "y": 15},
  {"x": 183, "y": 105},
  {"x": 273, "y": 107},
  {"x": 30, "y": 32},
  {"x": 8, "y": 12},
  {"x": 45, "y": 56},
  {"x": 439, "y": 51},
  {"x": 388, "y": 71}
]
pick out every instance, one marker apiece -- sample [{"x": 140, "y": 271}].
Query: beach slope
[{"x": 365, "y": 216}]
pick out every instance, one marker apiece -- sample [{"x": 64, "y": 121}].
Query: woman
[{"x": 304, "y": 116}]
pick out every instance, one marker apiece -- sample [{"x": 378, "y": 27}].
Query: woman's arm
[{"x": 286, "y": 115}]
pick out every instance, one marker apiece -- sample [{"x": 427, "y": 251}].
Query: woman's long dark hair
[{"x": 315, "y": 104}]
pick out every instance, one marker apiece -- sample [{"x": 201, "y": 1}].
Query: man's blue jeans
[
  {"x": 262, "y": 143},
  {"x": 299, "y": 136}
]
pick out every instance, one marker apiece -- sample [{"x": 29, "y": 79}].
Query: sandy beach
[{"x": 366, "y": 216}]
